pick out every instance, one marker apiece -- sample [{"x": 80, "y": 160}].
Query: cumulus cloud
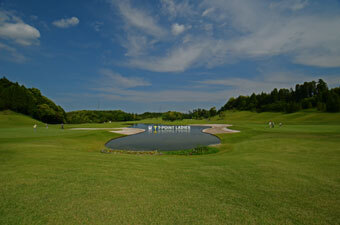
[
  {"x": 66, "y": 23},
  {"x": 14, "y": 29},
  {"x": 177, "y": 29}
]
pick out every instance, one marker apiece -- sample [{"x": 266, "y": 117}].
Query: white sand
[
  {"x": 128, "y": 131},
  {"x": 217, "y": 128},
  {"x": 119, "y": 130}
]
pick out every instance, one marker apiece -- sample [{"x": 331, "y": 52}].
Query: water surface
[{"x": 164, "y": 138}]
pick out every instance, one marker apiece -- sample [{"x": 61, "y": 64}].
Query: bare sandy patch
[
  {"x": 217, "y": 128},
  {"x": 119, "y": 130},
  {"x": 128, "y": 131}
]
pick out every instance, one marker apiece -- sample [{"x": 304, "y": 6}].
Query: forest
[
  {"x": 99, "y": 116},
  {"x": 29, "y": 101},
  {"x": 305, "y": 96}
]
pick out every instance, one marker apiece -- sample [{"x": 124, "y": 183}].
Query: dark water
[{"x": 163, "y": 138}]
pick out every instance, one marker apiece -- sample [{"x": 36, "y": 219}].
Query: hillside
[
  {"x": 301, "y": 117},
  {"x": 9, "y": 119},
  {"x": 29, "y": 101}
]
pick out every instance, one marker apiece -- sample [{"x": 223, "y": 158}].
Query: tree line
[
  {"x": 99, "y": 116},
  {"x": 29, "y": 101},
  {"x": 194, "y": 114},
  {"x": 308, "y": 95},
  {"x": 305, "y": 96}
]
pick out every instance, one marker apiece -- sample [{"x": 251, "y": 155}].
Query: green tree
[
  {"x": 333, "y": 102},
  {"x": 212, "y": 112},
  {"x": 172, "y": 116}
]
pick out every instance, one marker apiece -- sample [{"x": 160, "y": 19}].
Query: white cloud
[
  {"x": 330, "y": 59},
  {"x": 141, "y": 30},
  {"x": 140, "y": 19},
  {"x": 192, "y": 52},
  {"x": 225, "y": 31},
  {"x": 216, "y": 91},
  {"x": 179, "y": 59},
  {"x": 13, "y": 54},
  {"x": 298, "y": 36},
  {"x": 177, "y": 29},
  {"x": 263, "y": 30},
  {"x": 115, "y": 80},
  {"x": 136, "y": 45},
  {"x": 113, "y": 86},
  {"x": 290, "y": 4},
  {"x": 14, "y": 29},
  {"x": 177, "y": 9},
  {"x": 207, "y": 11},
  {"x": 66, "y": 23}
]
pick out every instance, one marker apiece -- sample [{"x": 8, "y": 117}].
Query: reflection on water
[
  {"x": 161, "y": 137},
  {"x": 168, "y": 129}
]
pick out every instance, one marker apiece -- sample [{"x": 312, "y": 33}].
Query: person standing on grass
[
  {"x": 35, "y": 127},
  {"x": 62, "y": 126},
  {"x": 46, "y": 126}
]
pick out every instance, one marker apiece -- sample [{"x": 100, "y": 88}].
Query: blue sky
[{"x": 166, "y": 55}]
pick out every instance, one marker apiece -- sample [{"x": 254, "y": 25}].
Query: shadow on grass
[{"x": 199, "y": 150}]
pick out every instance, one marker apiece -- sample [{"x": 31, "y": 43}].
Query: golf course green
[{"x": 281, "y": 175}]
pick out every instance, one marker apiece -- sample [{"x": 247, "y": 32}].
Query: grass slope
[
  {"x": 10, "y": 119},
  {"x": 287, "y": 175},
  {"x": 302, "y": 117}
]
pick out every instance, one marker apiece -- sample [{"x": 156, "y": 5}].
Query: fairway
[{"x": 283, "y": 175}]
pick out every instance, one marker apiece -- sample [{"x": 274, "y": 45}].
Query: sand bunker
[
  {"x": 119, "y": 130},
  {"x": 217, "y": 128},
  {"x": 128, "y": 131}
]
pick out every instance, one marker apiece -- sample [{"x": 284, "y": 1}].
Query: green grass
[
  {"x": 302, "y": 117},
  {"x": 199, "y": 150},
  {"x": 9, "y": 119},
  {"x": 286, "y": 175}
]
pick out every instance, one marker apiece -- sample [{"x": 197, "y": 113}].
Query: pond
[{"x": 164, "y": 138}]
